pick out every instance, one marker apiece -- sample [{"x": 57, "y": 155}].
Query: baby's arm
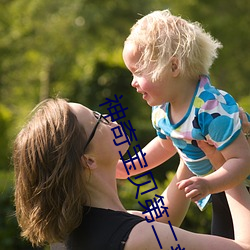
[
  {"x": 234, "y": 171},
  {"x": 157, "y": 151}
]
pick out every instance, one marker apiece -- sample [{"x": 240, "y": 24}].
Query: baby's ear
[
  {"x": 175, "y": 66},
  {"x": 89, "y": 161}
]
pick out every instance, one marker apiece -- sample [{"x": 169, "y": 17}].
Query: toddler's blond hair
[{"x": 160, "y": 36}]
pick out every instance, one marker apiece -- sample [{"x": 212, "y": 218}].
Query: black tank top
[{"x": 102, "y": 229}]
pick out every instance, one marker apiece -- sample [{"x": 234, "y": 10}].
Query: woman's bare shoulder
[{"x": 149, "y": 236}]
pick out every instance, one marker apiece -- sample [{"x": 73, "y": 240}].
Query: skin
[
  {"x": 102, "y": 157},
  {"x": 167, "y": 89},
  {"x": 99, "y": 156},
  {"x": 100, "y": 160},
  {"x": 245, "y": 122}
]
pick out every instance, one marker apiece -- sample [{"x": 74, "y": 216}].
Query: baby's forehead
[{"x": 131, "y": 47}]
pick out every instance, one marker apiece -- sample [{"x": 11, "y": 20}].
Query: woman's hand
[{"x": 245, "y": 124}]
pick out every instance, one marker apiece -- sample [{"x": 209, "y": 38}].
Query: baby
[{"x": 170, "y": 59}]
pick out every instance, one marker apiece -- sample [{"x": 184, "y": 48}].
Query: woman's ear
[
  {"x": 90, "y": 161},
  {"x": 175, "y": 66}
]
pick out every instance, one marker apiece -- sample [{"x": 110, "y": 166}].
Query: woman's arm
[
  {"x": 142, "y": 236},
  {"x": 245, "y": 123},
  {"x": 175, "y": 199},
  {"x": 239, "y": 203}
]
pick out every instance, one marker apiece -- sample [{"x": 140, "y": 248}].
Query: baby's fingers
[
  {"x": 194, "y": 195},
  {"x": 184, "y": 183}
]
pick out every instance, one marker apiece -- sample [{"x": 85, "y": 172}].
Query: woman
[{"x": 65, "y": 188}]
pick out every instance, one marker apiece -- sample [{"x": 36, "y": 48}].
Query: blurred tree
[
  {"x": 72, "y": 48},
  {"x": 5, "y": 123},
  {"x": 10, "y": 238}
]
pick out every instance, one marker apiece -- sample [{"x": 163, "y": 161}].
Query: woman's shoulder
[{"x": 155, "y": 235}]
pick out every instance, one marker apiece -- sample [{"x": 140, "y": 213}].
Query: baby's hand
[{"x": 194, "y": 187}]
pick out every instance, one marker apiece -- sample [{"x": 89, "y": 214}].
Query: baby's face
[
  {"x": 131, "y": 56},
  {"x": 152, "y": 92}
]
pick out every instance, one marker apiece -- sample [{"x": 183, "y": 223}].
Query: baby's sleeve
[
  {"x": 219, "y": 120},
  {"x": 159, "y": 121}
]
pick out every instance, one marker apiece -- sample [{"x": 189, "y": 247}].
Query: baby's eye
[{"x": 137, "y": 73}]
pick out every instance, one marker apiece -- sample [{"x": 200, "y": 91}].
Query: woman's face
[{"x": 102, "y": 143}]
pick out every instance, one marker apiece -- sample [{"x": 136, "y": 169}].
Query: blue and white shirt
[{"x": 213, "y": 115}]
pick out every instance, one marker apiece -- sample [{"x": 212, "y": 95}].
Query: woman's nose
[{"x": 109, "y": 117}]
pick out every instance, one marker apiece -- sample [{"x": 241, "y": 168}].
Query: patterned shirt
[{"x": 213, "y": 115}]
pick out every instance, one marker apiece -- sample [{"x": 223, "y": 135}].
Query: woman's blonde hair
[
  {"x": 160, "y": 36},
  {"x": 49, "y": 186}
]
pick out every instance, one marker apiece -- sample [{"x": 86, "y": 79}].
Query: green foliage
[
  {"x": 228, "y": 22},
  {"x": 9, "y": 231},
  {"x": 5, "y": 123},
  {"x": 197, "y": 221},
  {"x": 245, "y": 103},
  {"x": 73, "y": 48}
]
